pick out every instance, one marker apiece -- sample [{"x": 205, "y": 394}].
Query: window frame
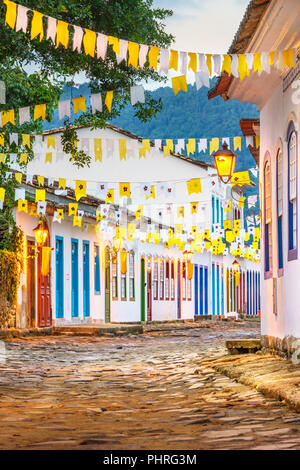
[
  {"x": 167, "y": 280},
  {"x": 279, "y": 216},
  {"x": 292, "y": 252},
  {"x": 114, "y": 261},
  {"x": 161, "y": 279},
  {"x": 155, "y": 279},
  {"x": 132, "y": 276},
  {"x": 183, "y": 277},
  {"x": 172, "y": 285},
  {"x": 123, "y": 277},
  {"x": 268, "y": 234},
  {"x": 96, "y": 291}
]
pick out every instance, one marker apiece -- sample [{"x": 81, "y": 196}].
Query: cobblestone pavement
[{"x": 138, "y": 392}]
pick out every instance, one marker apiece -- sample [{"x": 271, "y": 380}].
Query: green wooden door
[
  {"x": 107, "y": 285},
  {"x": 142, "y": 289}
]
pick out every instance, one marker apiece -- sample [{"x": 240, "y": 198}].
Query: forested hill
[{"x": 186, "y": 115}]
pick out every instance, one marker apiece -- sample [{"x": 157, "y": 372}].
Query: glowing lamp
[
  {"x": 187, "y": 255},
  {"x": 225, "y": 162},
  {"x": 235, "y": 266},
  {"x": 118, "y": 244},
  {"x": 41, "y": 233}
]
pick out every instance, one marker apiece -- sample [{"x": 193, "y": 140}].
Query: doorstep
[{"x": 105, "y": 329}]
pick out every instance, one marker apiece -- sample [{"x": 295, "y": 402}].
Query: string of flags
[
  {"x": 51, "y": 146},
  {"x": 95, "y": 45}
]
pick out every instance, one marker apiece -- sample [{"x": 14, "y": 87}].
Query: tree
[{"x": 35, "y": 71}]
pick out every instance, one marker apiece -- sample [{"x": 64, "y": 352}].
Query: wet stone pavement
[{"x": 138, "y": 392}]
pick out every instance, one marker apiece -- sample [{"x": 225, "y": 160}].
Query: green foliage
[{"x": 10, "y": 267}]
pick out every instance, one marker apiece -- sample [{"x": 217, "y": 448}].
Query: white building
[
  {"x": 85, "y": 284},
  {"x": 274, "y": 25}
]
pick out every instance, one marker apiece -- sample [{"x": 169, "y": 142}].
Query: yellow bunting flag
[
  {"x": 23, "y": 158},
  {"x": 131, "y": 230},
  {"x": 62, "y": 183},
  {"x": 114, "y": 42},
  {"x": 123, "y": 262},
  {"x": 139, "y": 212},
  {"x": 26, "y": 140},
  {"x": 257, "y": 141},
  {"x": 2, "y": 140},
  {"x": 194, "y": 186},
  {"x": 77, "y": 221},
  {"x": 179, "y": 83},
  {"x": 79, "y": 104},
  {"x": 37, "y": 28},
  {"x": 228, "y": 208},
  {"x": 152, "y": 192},
  {"x": 190, "y": 270},
  {"x": 2, "y": 194},
  {"x": 180, "y": 212},
  {"x": 242, "y": 66},
  {"x": 229, "y": 237},
  {"x": 226, "y": 67},
  {"x": 237, "y": 223},
  {"x": 209, "y": 63},
  {"x": 110, "y": 197},
  {"x": 80, "y": 189},
  {"x": 257, "y": 62},
  {"x": 98, "y": 150},
  {"x": 242, "y": 202},
  {"x": 33, "y": 210},
  {"x": 8, "y": 116},
  {"x": 62, "y": 34},
  {"x": 271, "y": 58},
  {"x": 133, "y": 54},
  {"x": 39, "y": 112},
  {"x": 237, "y": 143},
  {"x": 153, "y": 56},
  {"x": 193, "y": 61},
  {"x": 214, "y": 145},
  {"x": 2, "y": 157},
  {"x": 146, "y": 144},
  {"x": 142, "y": 152},
  {"x": 22, "y": 206},
  {"x": 89, "y": 42},
  {"x": 73, "y": 206},
  {"x": 178, "y": 228},
  {"x": 122, "y": 149},
  {"x": 288, "y": 58},
  {"x": 18, "y": 177},
  {"x": 11, "y": 13},
  {"x": 40, "y": 195},
  {"x": 240, "y": 178},
  {"x": 40, "y": 180},
  {"x": 124, "y": 189},
  {"x": 108, "y": 100},
  {"x": 227, "y": 224},
  {"x": 48, "y": 157},
  {"x": 46, "y": 253},
  {"x": 173, "y": 60},
  {"x": 60, "y": 214},
  {"x": 191, "y": 146},
  {"x": 51, "y": 141},
  {"x": 194, "y": 207}
]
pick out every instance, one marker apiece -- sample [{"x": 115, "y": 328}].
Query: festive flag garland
[{"x": 136, "y": 55}]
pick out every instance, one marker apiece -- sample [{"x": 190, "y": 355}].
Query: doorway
[
  {"x": 86, "y": 278},
  {"x": 107, "y": 285},
  {"x": 31, "y": 284},
  {"x": 43, "y": 291},
  {"x": 142, "y": 289},
  {"x": 149, "y": 290},
  {"x": 178, "y": 290}
]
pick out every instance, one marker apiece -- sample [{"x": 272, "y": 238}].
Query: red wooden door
[
  {"x": 179, "y": 290},
  {"x": 149, "y": 295},
  {"x": 30, "y": 284},
  {"x": 44, "y": 292}
]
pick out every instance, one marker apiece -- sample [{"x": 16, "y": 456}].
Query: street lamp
[
  {"x": 235, "y": 266},
  {"x": 225, "y": 162},
  {"x": 118, "y": 243},
  {"x": 187, "y": 255},
  {"x": 41, "y": 233}
]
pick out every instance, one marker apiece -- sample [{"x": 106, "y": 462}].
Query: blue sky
[{"x": 203, "y": 25}]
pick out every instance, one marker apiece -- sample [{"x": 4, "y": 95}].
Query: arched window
[
  {"x": 172, "y": 280},
  {"x": 292, "y": 192},
  {"x": 184, "y": 280},
  {"x": 162, "y": 279},
  {"x": 268, "y": 218},
  {"x": 155, "y": 280},
  {"x": 279, "y": 193},
  {"x": 115, "y": 277},
  {"x": 167, "y": 284},
  {"x": 131, "y": 276}
]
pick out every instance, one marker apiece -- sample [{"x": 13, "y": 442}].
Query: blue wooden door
[
  {"x": 74, "y": 278},
  {"x": 86, "y": 278},
  {"x": 196, "y": 270},
  {"x": 59, "y": 277}
]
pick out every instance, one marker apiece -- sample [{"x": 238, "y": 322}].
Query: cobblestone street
[{"x": 137, "y": 392}]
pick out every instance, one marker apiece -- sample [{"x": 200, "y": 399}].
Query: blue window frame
[
  {"x": 86, "y": 278},
  {"x": 59, "y": 281},
  {"x": 213, "y": 289},
  {"x": 74, "y": 278},
  {"x": 292, "y": 193},
  {"x": 213, "y": 212},
  {"x": 97, "y": 288},
  {"x": 206, "y": 290}
]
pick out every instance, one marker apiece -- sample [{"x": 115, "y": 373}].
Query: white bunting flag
[
  {"x": 137, "y": 94},
  {"x": 96, "y": 102},
  {"x": 64, "y": 108}
]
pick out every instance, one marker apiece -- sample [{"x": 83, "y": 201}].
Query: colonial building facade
[
  {"x": 274, "y": 26},
  {"x": 146, "y": 280}
]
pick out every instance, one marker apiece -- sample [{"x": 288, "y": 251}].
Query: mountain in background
[{"x": 188, "y": 115}]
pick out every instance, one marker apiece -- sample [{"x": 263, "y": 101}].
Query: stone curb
[
  {"x": 270, "y": 375},
  {"x": 23, "y": 333}
]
